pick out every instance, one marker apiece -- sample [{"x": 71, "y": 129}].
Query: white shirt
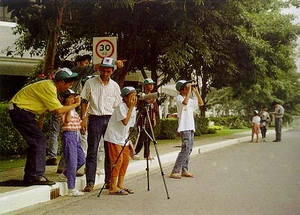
[
  {"x": 116, "y": 131},
  {"x": 256, "y": 120},
  {"x": 279, "y": 109},
  {"x": 185, "y": 114},
  {"x": 102, "y": 98}
]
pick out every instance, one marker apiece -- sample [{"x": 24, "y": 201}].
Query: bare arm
[
  {"x": 200, "y": 101},
  {"x": 83, "y": 116},
  {"x": 67, "y": 108}
]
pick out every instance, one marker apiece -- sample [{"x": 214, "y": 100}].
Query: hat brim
[
  {"x": 107, "y": 66},
  {"x": 183, "y": 85},
  {"x": 128, "y": 93}
]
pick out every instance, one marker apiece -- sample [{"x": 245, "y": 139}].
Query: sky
[{"x": 296, "y": 12}]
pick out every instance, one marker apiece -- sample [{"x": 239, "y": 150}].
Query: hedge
[{"x": 12, "y": 143}]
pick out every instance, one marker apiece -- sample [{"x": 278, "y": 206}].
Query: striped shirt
[
  {"x": 74, "y": 124},
  {"x": 102, "y": 98}
]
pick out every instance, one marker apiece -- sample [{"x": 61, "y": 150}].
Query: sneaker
[
  {"x": 62, "y": 177},
  {"x": 150, "y": 158},
  {"x": 51, "y": 162},
  {"x": 88, "y": 188},
  {"x": 74, "y": 192},
  {"x": 187, "y": 174},
  {"x": 136, "y": 157},
  {"x": 175, "y": 175}
]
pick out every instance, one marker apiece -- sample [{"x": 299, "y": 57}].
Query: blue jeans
[
  {"x": 28, "y": 127},
  {"x": 53, "y": 136},
  {"x": 182, "y": 161},
  {"x": 278, "y": 125},
  {"x": 96, "y": 129},
  {"x": 73, "y": 155}
]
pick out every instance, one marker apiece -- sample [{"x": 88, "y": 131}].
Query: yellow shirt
[{"x": 38, "y": 97}]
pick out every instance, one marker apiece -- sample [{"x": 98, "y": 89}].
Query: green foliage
[
  {"x": 201, "y": 125},
  {"x": 11, "y": 141},
  {"x": 166, "y": 128},
  {"x": 233, "y": 122}
]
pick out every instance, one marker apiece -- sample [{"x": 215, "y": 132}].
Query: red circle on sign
[{"x": 110, "y": 43}]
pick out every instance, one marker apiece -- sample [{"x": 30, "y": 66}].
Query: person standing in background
[
  {"x": 255, "y": 125},
  {"x": 143, "y": 122},
  {"x": 278, "y": 115},
  {"x": 264, "y": 123}
]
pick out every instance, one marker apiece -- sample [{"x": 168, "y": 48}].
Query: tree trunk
[{"x": 52, "y": 40}]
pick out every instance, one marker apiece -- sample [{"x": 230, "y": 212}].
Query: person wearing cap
[
  {"x": 116, "y": 135},
  {"x": 73, "y": 153},
  {"x": 32, "y": 100},
  {"x": 143, "y": 138},
  {"x": 100, "y": 95},
  {"x": 278, "y": 115},
  {"x": 186, "y": 105},
  {"x": 264, "y": 123},
  {"x": 255, "y": 125}
]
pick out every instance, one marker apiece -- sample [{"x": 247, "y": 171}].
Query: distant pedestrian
[
  {"x": 264, "y": 123},
  {"x": 278, "y": 114},
  {"x": 186, "y": 126},
  {"x": 123, "y": 117},
  {"x": 255, "y": 126},
  {"x": 32, "y": 100}
]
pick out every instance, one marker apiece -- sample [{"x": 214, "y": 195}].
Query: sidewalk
[{"x": 17, "y": 197}]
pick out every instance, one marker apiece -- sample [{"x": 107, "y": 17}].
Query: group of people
[
  {"x": 105, "y": 112},
  {"x": 262, "y": 119}
]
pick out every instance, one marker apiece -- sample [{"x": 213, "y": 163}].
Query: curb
[{"x": 37, "y": 194}]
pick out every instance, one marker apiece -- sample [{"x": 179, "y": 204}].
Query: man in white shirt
[
  {"x": 278, "y": 114},
  {"x": 100, "y": 95}
]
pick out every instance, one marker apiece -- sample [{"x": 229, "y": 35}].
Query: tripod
[
  {"x": 152, "y": 138},
  {"x": 145, "y": 117}
]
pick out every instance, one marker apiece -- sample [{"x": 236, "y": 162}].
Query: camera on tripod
[{"x": 143, "y": 96}]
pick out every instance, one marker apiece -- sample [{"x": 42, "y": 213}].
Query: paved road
[{"x": 248, "y": 178}]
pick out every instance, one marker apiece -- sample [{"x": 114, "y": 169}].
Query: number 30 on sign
[{"x": 104, "y": 47}]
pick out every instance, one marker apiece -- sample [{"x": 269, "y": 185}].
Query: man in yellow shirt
[{"x": 33, "y": 100}]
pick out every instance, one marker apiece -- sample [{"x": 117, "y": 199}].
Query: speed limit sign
[{"x": 104, "y": 47}]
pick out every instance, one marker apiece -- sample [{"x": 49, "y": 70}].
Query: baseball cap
[
  {"x": 126, "y": 90},
  {"x": 148, "y": 81},
  {"x": 68, "y": 92},
  {"x": 65, "y": 73},
  {"x": 108, "y": 62},
  {"x": 181, "y": 83}
]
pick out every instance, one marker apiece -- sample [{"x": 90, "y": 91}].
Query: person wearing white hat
[
  {"x": 100, "y": 95},
  {"x": 255, "y": 125},
  {"x": 186, "y": 126}
]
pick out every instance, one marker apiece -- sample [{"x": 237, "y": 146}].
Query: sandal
[
  {"x": 119, "y": 192},
  {"x": 129, "y": 191}
]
